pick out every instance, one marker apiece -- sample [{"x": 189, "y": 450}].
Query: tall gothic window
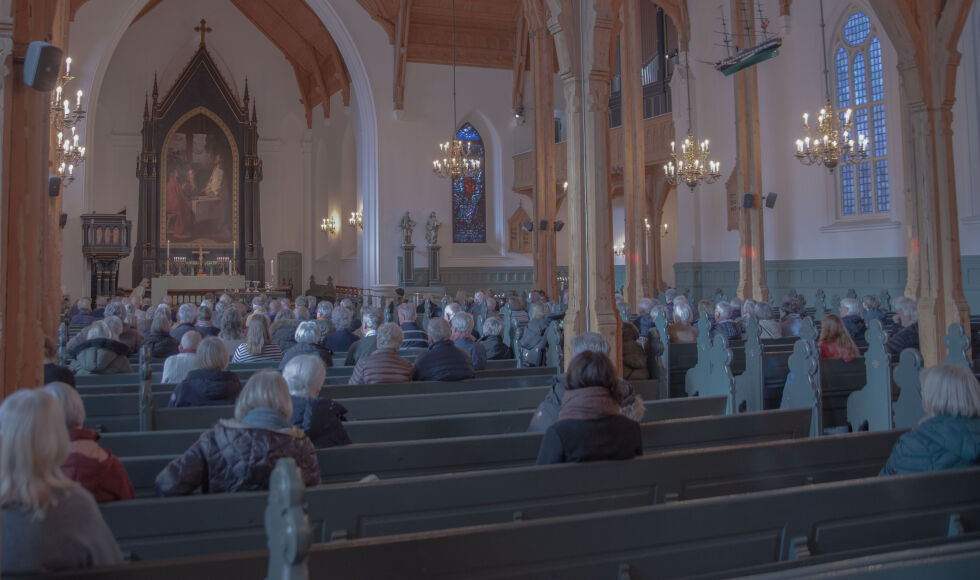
[
  {"x": 861, "y": 87},
  {"x": 470, "y": 195}
]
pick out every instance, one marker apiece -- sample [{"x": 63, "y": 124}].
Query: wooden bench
[{"x": 218, "y": 523}]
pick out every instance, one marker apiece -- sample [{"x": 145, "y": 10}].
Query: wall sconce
[
  {"x": 646, "y": 224},
  {"x": 619, "y": 249},
  {"x": 328, "y": 225},
  {"x": 664, "y": 234},
  {"x": 565, "y": 188},
  {"x": 356, "y": 219}
]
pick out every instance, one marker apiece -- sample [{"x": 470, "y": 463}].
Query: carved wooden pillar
[
  {"x": 52, "y": 248},
  {"x": 634, "y": 157},
  {"x": 925, "y": 35},
  {"x": 583, "y": 38},
  {"x": 656, "y": 195},
  {"x": 751, "y": 257},
  {"x": 545, "y": 198}
]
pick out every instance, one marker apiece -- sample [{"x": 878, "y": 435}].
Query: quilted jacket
[
  {"x": 941, "y": 442},
  {"x": 443, "y": 362},
  {"x": 102, "y": 356}
]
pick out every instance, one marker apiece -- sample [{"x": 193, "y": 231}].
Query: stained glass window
[
  {"x": 861, "y": 86},
  {"x": 469, "y": 195}
]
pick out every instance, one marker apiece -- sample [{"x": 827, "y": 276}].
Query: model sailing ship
[{"x": 739, "y": 59}]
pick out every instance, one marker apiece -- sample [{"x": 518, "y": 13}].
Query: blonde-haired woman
[
  {"x": 258, "y": 345},
  {"x": 49, "y": 522},
  {"x": 240, "y": 454}
]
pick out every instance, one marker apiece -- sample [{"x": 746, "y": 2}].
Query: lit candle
[
  {"x": 67, "y": 65},
  {"x": 65, "y": 104},
  {"x": 57, "y": 94},
  {"x": 82, "y": 151},
  {"x": 671, "y": 146},
  {"x": 799, "y": 145},
  {"x": 71, "y": 170},
  {"x": 805, "y": 117},
  {"x": 78, "y": 99},
  {"x": 168, "y": 250},
  {"x": 74, "y": 141}
]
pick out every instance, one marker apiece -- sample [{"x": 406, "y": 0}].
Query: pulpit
[{"x": 105, "y": 241}]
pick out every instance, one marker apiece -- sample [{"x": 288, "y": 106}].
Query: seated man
[
  {"x": 850, "y": 314},
  {"x": 443, "y": 361},
  {"x": 533, "y": 341},
  {"x": 100, "y": 304},
  {"x": 342, "y": 339},
  {"x": 370, "y": 320},
  {"x": 907, "y": 322},
  {"x": 384, "y": 365},
  {"x": 462, "y": 336},
  {"x": 176, "y": 366},
  {"x": 84, "y": 315},
  {"x": 643, "y": 320},
  {"x": 414, "y": 336},
  {"x": 791, "y": 314},
  {"x": 871, "y": 309},
  {"x": 307, "y": 337},
  {"x": 724, "y": 325},
  {"x": 187, "y": 316}
]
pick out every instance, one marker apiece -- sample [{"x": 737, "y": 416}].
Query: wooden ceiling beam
[
  {"x": 401, "y": 52},
  {"x": 381, "y": 12},
  {"x": 520, "y": 64}
]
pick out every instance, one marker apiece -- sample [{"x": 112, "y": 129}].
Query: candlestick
[
  {"x": 67, "y": 65},
  {"x": 78, "y": 101},
  {"x": 234, "y": 256},
  {"x": 168, "y": 257}
]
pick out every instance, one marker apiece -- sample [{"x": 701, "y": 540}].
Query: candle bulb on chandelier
[
  {"x": 67, "y": 66},
  {"x": 78, "y": 99}
]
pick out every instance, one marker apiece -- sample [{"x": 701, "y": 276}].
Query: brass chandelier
[
  {"x": 64, "y": 119},
  {"x": 831, "y": 142},
  {"x": 456, "y": 156},
  {"x": 693, "y": 166}
]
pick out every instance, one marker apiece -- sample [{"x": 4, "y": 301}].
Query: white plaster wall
[{"x": 966, "y": 136}]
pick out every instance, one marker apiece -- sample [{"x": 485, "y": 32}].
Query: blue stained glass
[
  {"x": 864, "y": 187},
  {"x": 847, "y": 190},
  {"x": 860, "y": 124},
  {"x": 860, "y": 82},
  {"x": 880, "y": 134},
  {"x": 469, "y": 195},
  {"x": 877, "y": 81},
  {"x": 857, "y": 28},
  {"x": 881, "y": 180},
  {"x": 843, "y": 86}
]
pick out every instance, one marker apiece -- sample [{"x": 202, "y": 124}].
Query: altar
[{"x": 193, "y": 288}]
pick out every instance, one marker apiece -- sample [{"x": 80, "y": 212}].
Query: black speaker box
[
  {"x": 771, "y": 200},
  {"x": 42, "y": 65},
  {"x": 54, "y": 185},
  {"x": 747, "y": 201},
  {"x": 63, "y": 220}
]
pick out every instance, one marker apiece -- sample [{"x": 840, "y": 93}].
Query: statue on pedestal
[
  {"x": 407, "y": 226},
  {"x": 432, "y": 230}
]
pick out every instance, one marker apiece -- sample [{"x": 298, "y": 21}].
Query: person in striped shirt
[{"x": 258, "y": 345}]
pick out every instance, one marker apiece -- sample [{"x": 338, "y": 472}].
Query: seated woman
[
  {"x": 634, "y": 358},
  {"x": 681, "y": 330},
  {"x": 176, "y": 367},
  {"x": 49, "y": 523},
  {"x": 101, "y": 354},
  {"x": 768, "y": 328},
  {"x": 492, "y": 342},
  {"x": 534, "y": 341},
  {"x": 590, "y": 426},
  {"x": 161, "y": 343},
  {"x": 835, "y": 341},
  {"x": 98, "y": 470},
  {"x": 307, "y": 339},
  {"x": 232, "y": 329},
  {"x": 949, "y": 435},
  {"x": 319, "y": 418},
  {"x": 210, "y": 383},
  {"x": 239, "y": 454},
  {"x": 258, "y": 345}
]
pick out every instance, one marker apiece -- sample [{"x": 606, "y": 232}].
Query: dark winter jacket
[
  {"x": 321, "y": 420},
  {"x": 80, "y": 319},
  {"x": 284, "y": 333},
  {"x": 206, "y": 387},
  {"x": 178, "y": 332},
  {"x": 547, "y": 412},
  {"x": 443, "y": 362},
  {"x": 162, "y": 345},
  {"x": 478, "y": 354},
  {"x": 361, "y": 349},
  {"x": 341, "y": 340},
  {"x": 414, "y": 337},
  {"x": 102, "y": 356},
  {"x": 95, "y": 468},
  {"x": 907, "y": 337},
  {"x": 855, "y": 326},
  {"x": 726, "y": 328},
  {"x": 57, "y": 373},
  {"x": 496, "y": 349},
  {"x": 876, "y": 314},
  {"x": 634, "y": 361},
  {"x": 234, "y": 456},
  {"x": 575, "y": 440},
  {"x": 384, "y": 365},
  {"x": 206, "y": 331},
  {"x": 307, "y": 348},
  {"x": 643, "y": 323},
  {"x": 941, "y": 442},
  {"x": 534, "y": 342},
  {"x": 132, "y": 339}
]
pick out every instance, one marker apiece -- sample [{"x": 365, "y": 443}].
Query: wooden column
[
  {"x": 657, "y": 191},
  {"x": 634, "y": 155},
  {"x": 582, "y": 34},
  {"x": 52, "y": 249},
  {"x": 751, "y": 257},
  {"x": 25, "y": 208},
  {"x": 545, "y": 193},
  {"x": 925, "y": 35}
]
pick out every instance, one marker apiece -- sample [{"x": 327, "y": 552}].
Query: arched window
[
  {"x": 470, "y": 195},
  {"x": 861, "y": 87}
]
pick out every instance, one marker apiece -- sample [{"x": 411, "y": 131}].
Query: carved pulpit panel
[
  {"x": 105, "y": 241},
  {"x": 519, "y": 239}
]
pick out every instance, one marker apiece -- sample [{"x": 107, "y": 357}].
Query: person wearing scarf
[{"x": 590, "y": 426}]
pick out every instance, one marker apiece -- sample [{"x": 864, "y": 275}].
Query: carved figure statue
[
  {"x": 407, "y": 226},
  {"x": 432, "y": 230}
]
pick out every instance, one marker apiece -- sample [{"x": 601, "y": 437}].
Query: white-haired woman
[
  {"x": 681, "y": 330},
  {"x": 949, "y": 436},
  {"x": 161, "y": 343},
  {"x": 101, "y": 353},
  {"x": 323, "y": 311},
  {"x": 98, "y": 470},
  {"x": 209, "y": 383},
  {"x": 258, "y": 345},
  {"x": 321, "y": 419},
  {"x": 49, "y": 522},
  {"x": 307, "y": 337},
  {"x": 239, "y": 454},
  {"x": 492, "y": 341},
  {"x": 533, "y": 341}
]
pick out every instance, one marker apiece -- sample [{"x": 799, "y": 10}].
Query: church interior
[{"x": 736, "y": 242}]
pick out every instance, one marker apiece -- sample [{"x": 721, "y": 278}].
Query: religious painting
[
  {"x": 470, "y": 195},
  {"x": 199, "y": 193}
]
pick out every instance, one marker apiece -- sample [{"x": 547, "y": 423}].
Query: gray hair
[
  {"x": 71, "y": 403},
  {"x": 670, "y": 294},
  {"x": 266, "y": 389},
  {"x": 204, "y": 313},
  {"x": 723, "y": 311},
  {"x": 644, "y": 306},
  {"x": 161, "y": 322},
  {"x": 84, "y": 305},
  {"x": 324, "y": 308},
  {"x": 211, "y": 354},
  {"x": 763, "y": 311},
  {"x": 232, "y": 325},
  {"x": 949, "y": 390},
  {"x": 115, "y": 325},
  {"x": 301, "y": 312},
  {"x": 341, "y": 317},
  {"x": 749, "y": 306},
  {"x": 682, "y": 312},
  {"x": 406, "y": 312},
  {"x": 539, "y": 310},
  {"x": 115, "y": 309},
  {"x": 462, "y": 322},
  {"x": 307, "y": 332},
  {"x": 190, "y": 340},
  {"x": 493, "y": 326},
  {"x": 850, "y": 306},
  {"x": 370, "y": 318},
  {"x": 301, "y": 302},
  {"x": 791, "y": 306},
  {"x": 451, "y": 309},
  {"x": 590, "y": 341},
  {"x": 390, "y": 335},
  {"x": 98, "y": 329},
  {"x": 258, "y": 303},
  {"x": 187, "y": 313},
  {"x": 908, "y": 307},
  {"x": 304, "y": 374},
  {"x": 438, "y": 329},
  {"x": 735, "y": 302}
]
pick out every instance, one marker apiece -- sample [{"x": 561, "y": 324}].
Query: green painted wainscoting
[{"x": 520, "y": 279}]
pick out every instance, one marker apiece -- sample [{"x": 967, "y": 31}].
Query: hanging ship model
[{"x": 744, "y": 58}]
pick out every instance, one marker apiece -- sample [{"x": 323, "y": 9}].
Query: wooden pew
[
  {"x": 724, "y": 536},
  {"x": 231, "y": 522}
]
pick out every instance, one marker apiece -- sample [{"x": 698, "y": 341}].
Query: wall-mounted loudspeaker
[
  {"x": 528, "y": 226},
  {"x": 771, "y": 200},
  {"x": 63, "y": 220},
  {"x": 54, "y": 185},
  {"x": 747, "y": 201},
  {"x": 42, "y": 64},
  {"x": 559, "y": 225}
]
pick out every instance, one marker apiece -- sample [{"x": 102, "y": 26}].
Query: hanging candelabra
[
  {"x": 456, "y": 155},
  {"x": 64, "y": 119},
  {"x": 831, "y": 142},
  {"x": 692, "y": 167}
]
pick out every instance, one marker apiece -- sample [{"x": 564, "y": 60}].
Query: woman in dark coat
[
  {"x": 101, "y": 354},
  {"x": 161, "y": 343},
  {"x": 590, "y": 426},
  {"x": 239, "y": 454},
  {"x": 492, "y": 342},
  {"x": 321, "y": 419},
  {"x": 533, "y": 341},
  {"x": 634, "y": 358},
  {"x": 209, "y": 383}
]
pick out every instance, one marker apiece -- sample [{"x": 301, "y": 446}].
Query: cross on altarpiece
[
  {"x": 203, "y": 28},
  {"x": 200, "y": 253}
]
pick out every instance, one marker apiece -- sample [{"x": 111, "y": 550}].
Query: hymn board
[{"x": 199, "y": 175}]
